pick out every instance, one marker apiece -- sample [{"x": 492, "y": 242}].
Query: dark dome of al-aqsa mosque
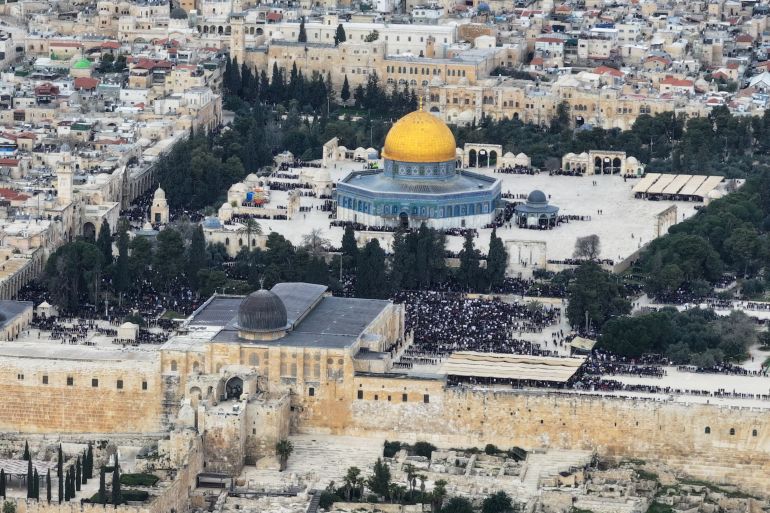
[{"x": 261, "y": 314}]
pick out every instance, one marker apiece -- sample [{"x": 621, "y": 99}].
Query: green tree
[
  {"x": 349, "y": 246},
  {"x": 345, "y": 91},
  {"x": 25, "y": 456},
  {"x": 352, "y": 480},
  {"x": 379, "y": 481},
  {"x": 60, "y": 474},
  {"x": 121, "y": 278},
  {"x": 196, "y": 256},
  {"x": 104, "y": 243},
  {"x": 102, "y": 487},
  {"x": 3, "y": 483},
  {"x": 117, "y": 497},
  {"x": 48, "y": 486},
  {"x": 168, "y": 261},
  {"x": 35, "y": 485},
  {"x": 438, "y": 495},
  {"x": 457, "y": 505},
  {"x": 469, "y": 271},
  {"x": 594, "y": 296},
  {"x": 302, "y": 38},
  {"x": 283, "y": 450},
  {"x": 402, "y": 275},
  {"x": 371, "y": 276},
  {"x": 497, "y": 260},
  {"x": 339, "y": 35},
  {"x": 30, "y": 480},
  {"x": 78, "y": 474},
  {"x": 498, "y": 502},
  {"x": 90, "y": 461}
]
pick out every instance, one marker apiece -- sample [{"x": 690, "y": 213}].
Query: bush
[
  {"x": 491, "y": 449},
  {"x": 138, "y": 479},
  {"x": 423, "y": 449},
  {"x": 327, "y": 500},
  {"x": 372, "y": 497},
  {"x": 391, "y": 448},
  {"x": 125, "y": 495}
]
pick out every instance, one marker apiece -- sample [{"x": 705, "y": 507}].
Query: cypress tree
[
  {"x": 60, "y": 472},
  {"x": 30, "y": 485},
  {"x": 36, "y": 486},
  {"x": 78, "y": 474},
  {"x": 349, "y": 246},
  {"x": 116, "y": 483},
  {"x": 26, "y": 451},
  {"x": 2, "y": 483},
  {"x": 48, "y": 486},
  {"x": 67, "y": 486},
  {"x": 302, "y": 33},
  {"x": 497, "y": 260},
  {"x": 345, "y": 92},
  {"x": 340, "y": 36},
  {"x": 90, "y": 460},
  {"x": 467, "y": 274},
  {"x": 102, "y": 488},
  {"x": 104, "y": 242}
]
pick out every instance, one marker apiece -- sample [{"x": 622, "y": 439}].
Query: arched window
[
  {"x": 754, "y": 432},
  {"x": 707, "y": 430},
  {"x": 227, "y": 241},
  {"x": 173, "y": 365}
]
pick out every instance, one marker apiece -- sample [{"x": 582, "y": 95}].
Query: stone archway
[
  {"x": 472, "y": 162},
  {"x": 234, "y": 388},
  {"x": 89, "y": 231},
  {"x": 403, "y": 219}
]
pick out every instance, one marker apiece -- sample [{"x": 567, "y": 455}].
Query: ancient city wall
[
  {"x": 735, "y": 447},
  {"x": 79, "y": 396}
]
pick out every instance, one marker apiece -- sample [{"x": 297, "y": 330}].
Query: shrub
[
  {"x": 327, "y": 500},
  {"x": 423, "y": 449},
  {"x": 125, "y": 495},
  {"x": 391, "y": 448},
  {"x": 372, "y": 497},
  {"x": 138, "y": 479},
  {"x": 491, "y": 449}
]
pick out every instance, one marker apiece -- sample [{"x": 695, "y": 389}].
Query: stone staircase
[{"x": 315, "y": 501}]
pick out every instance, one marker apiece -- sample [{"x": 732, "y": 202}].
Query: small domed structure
[
  {"x": 159, "y": 194},
  {"x": 537, "y": 198},
  {"x": 536, "y": 212},
  {"x": 178, "y": 14},
  {"x": 262, "y": 315},
  {"x": 82, "y": 63},
  {"x": 81, "y": 68}
]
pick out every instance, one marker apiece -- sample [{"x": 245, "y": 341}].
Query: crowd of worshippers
[
  {"x": 285, "y": 166},
  {"x": 444, "y": 322},
  {"x": 727, "y": 304},
  {"x": 359, "y": 227},
  {"x": 581, "y": 261},
  {"x": 290, "y": 186},
  {"x": 597, "y": 384},
  {"x": 516, "y": 170},
  {"x": 566, "y": 172}
]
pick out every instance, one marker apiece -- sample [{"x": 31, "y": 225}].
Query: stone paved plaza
[{"x": 622, "y": 215}]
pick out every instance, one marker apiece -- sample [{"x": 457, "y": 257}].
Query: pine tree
[
  {"x": 48, "y": 486},
  {"x": 345, "y": 92},
  {"x": 104, "y": 242},
  {"x": 102, "y": 487},
  {"x": 349, "y": 246},
  {"x": 30, "y": 482},
  {"x": 497, "y": 260},
  {"x": 371, "y": 278},
  {"x": 60, "y": 472},
  {"x": 26, "y": 457},
  {"x": 302, "y": 38},
  {"x": 78, "y": 474}
]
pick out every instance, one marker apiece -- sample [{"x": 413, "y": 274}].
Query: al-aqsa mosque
[{"x": 420, "y": 182}]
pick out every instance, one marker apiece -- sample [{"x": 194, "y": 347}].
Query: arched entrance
[
  {"x": 472, "y": 158},
  {"x": 234, "y": 388},
  {"x": 403, "y": 220},
  {"x": 483, "y": 159},
  {"x": 493, "y": 159},
  {"x": 616, "y": 165},
  {"x": 89, "y": 231}
]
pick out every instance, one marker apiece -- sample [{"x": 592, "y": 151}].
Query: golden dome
[{"x": 419, "y": 137}]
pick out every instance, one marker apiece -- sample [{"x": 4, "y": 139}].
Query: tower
[
  {"x": 64, "y": 176},
  {"x": 159, "y": 208},
  {"x": 237, "y": 37}
]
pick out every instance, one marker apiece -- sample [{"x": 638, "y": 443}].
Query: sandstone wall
[
  {"x": 736, "y": 448},
  {"x": 79, "y": 396}
]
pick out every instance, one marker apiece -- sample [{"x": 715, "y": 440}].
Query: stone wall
[
  {"x": 79, "y": 396},
  {"x": 735, "y": 450}
]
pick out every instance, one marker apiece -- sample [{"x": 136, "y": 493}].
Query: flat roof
[
  {"x": 510, "y": 366},
  {"x": 217, "y": 311},
  {"x": 11, "y": 309}
]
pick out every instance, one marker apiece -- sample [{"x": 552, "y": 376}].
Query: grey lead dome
[{"x": 262, "y": 311}]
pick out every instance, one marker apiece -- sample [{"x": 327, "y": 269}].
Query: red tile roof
[
  {"x": 677, "y": 82},
  {"x": 87, "y": 83},
  {"x": 12, "y": 195},
  {"x": 114, "y": 45},
  {"x": 606, "y": 70}
]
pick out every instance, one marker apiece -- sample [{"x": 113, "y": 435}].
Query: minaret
[
  {"x": 237, "y": 37},
  {"x": 64, "y": 176}
]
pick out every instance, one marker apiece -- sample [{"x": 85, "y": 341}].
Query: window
[
  {"x": 426, "y": 398},
  {"x": 70, "y": 381},
  {"x": 388, "y": 398},
  {"x": 403, "y": 398},
  {"x": 45, "y": 379},
  {"x": 376, "y": 397},
  {"x": 311, "y": 391},
  {"x": 19, "y": 376},
  {"x": 94, "y": 382},
  {"x": 754, "y": 432},
  {"x": 732, "y": 431},
  {"x": 360, "y": 394},
  {"x": 120, "y": 384},
  {"x": 144, "y": 385}
]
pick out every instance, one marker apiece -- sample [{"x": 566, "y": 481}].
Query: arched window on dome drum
[
  {"x": 423, "y": 211},
  {"x": 441, "y": 211},
  {"x": 471, "y": 209},
  {"x": 457, "y": 210},
  {"x": 387, "y": 209}
]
